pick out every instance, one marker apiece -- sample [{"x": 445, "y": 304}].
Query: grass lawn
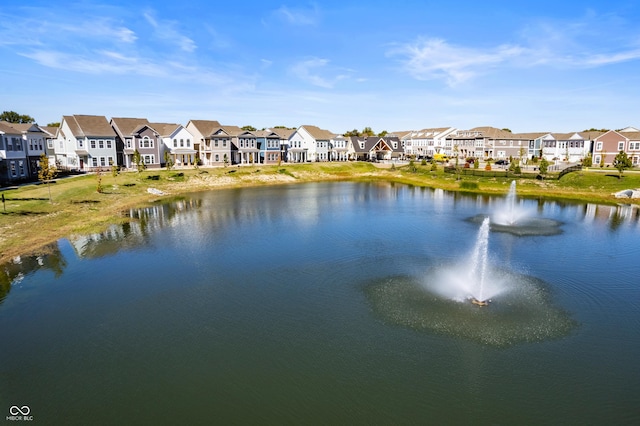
[{"x": 31, "y": 220}]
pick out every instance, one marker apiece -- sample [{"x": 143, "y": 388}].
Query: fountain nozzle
[{"x": 479, "y": 302}]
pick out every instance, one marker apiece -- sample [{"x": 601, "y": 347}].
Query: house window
[
  {"x": 128, "y": 143},
  {"x": 111, "y": 162},
  {"x": 597, "y": 158},
  {"x": 21, "y": 167},
  {"x": 188, "y": 142},
  {"x": 181, "y": 143},
  {"x": 109, "y": 144},
  {"x": 93, "y": 144},
  {"x": 621, "y": 146},
  {"x": 215, "y": 143},
  {"x": 175, "y": 143},
  {"x": 49, "y": 145},
  {"x": 146, "y": 142},
  {"x": 148, "y": 159},
  {"x": 81, "y": 143},
  {"x": 13, "y": 168},
  {"x": 94, "y": 162},
  {"x": 101, "y": 144},
  {"x": 217, "y": 157},
  {"x": 103, "y": 161},
  {"x": 598, "y": 148}
]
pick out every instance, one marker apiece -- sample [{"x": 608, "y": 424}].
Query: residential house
[
  {"x": 568, "y": 147},
  {"x": 609, "y": 144},
  {"x": 248, "y": 149},
  {"x": 269, "y": 146},
  {"x": 309, "y": 143},
  {"x": 487, "y": 142},
  {"x": 50, "y": 133},
  {"x": 178, "y": 142},
  {"x": 342, "y": 149},
  {"x": 210, "y": 150},
  {"x": 85, "y": 142},
  {"x": 135, "y": 134},
  {"x": 377, "y": 148},
  {"x": 426, "y": 142},
  {"x": 284, "y": 134},
  {"x": 226, "y": 144},
  {"x": 34, "y": 140},
  {"x": 13, "y": 154}
]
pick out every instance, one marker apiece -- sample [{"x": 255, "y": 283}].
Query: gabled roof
[
  {"x": 233, "y": 130},
  {"x": 283, "y": 133},
  {"x": 205, "y": 127},
  {"x": 6, "y": 127},
  {"x": 26, "y": 127},
  {"x": 266, "y": 134},
  {"x": 51, "y": 130},
  {"x": 126, "y": 126},
  {"x": 89, "y": 125},
  {"x": 318, "y": 133},
  {"x": 377, "y": 143},
  {"x": 164, "y": 129}
]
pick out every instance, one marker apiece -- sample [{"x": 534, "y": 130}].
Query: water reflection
[
  {"x": 295, "y": 207},
  {"x": 13, "y": 272}
]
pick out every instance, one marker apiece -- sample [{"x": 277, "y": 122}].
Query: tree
[
  {"x": 225, "y": 159},
  {"x": 367, "y": 132},
  {"x": 383, "y": 133},
  {"x": 622, "y": 162},
  {"x": 249, "y": 128},
  {"x": 99, "y": 188},
  {"x": 587, "y": 161},
  {"x": 544, "y": 166},
  {"x": 138, "y": 161},
  {"x": 47, "y": 172},
  {"x": 507, "y": 130},
  {"x": 353, "y": 132},
  {"x": 55, "y": 124},
  {"x": 14, "y": 117},
  {"x": 168, "y": 161},
  {"x": 114, "y": 169}
]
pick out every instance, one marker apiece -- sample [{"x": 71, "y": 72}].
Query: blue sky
[{"x": 401, "y": 65}]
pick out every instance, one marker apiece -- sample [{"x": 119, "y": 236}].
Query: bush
[{"x": 466, "y": 184}]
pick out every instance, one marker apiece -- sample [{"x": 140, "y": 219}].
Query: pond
[{"x": 324, "y": 303}]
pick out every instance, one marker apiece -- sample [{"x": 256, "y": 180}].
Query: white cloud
[
  {"x": 166, "y": 30},
  {"x": 434, "y": 58},
  {"x": 309, "y": 71},
  {"x": 299, "y": 16}
]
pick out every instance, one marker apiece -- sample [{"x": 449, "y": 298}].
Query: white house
[
  {"x": 178, "y": 141},
  {"x": 85, "y": 142},
  {"x": 309, "y": 143}
]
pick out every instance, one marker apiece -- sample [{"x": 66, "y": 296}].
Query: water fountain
[
  {"x": 438, "y": 301},
  {"x": 513, "y": 218}
]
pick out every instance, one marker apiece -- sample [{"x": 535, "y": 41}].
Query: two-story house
[
  {"x": 269, "y": 145},
  {"x": 34, "y": 140},
  {"x": 85, "y": 142},
  {"x": 13, "y": 154},
  {"x": 248, "y": 149},
  {"x": 425, "y": 143},
  {"x": 128, "y": 139},
  {"x": 609, "y": 144},
  {"x": 177, "y": 141},
  {"x": 284, "y": 134},
  {"x": 210, "y": 150},
  {"x": 309, "y": 143}
]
